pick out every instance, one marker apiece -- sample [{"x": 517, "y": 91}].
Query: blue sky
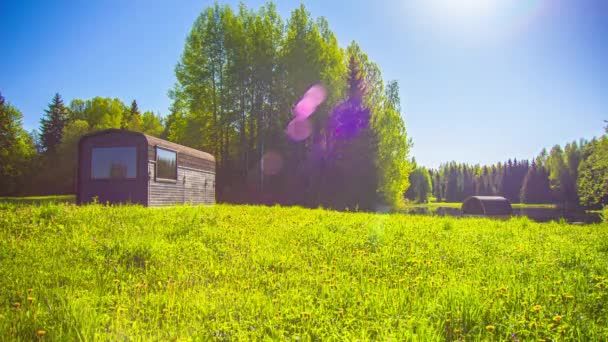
[{"x": 481, "y": 80}]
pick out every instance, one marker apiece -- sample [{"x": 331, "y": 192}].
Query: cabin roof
[
  {"x": 154, "y": 141},
  {"x": 487, "y": 205}
]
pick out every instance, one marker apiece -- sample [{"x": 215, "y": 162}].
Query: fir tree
[{"x": 52, "y": 124}]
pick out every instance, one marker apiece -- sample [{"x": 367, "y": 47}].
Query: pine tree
[
  {"x": 353, "y": 146},
  {"x": 52, "y": 124},
  {"x": 133, "y": 118}
]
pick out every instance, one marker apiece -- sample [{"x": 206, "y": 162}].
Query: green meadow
[{"x": 247, "y": 272}]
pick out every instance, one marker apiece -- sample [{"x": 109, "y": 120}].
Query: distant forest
[
  {"x": 575, "y": 175},
  {"x": 291, "y": 117}
]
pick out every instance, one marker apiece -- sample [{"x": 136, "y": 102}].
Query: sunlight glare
[{"x": 465, "y": 19}]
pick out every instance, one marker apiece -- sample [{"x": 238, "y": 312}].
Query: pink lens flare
[
  {"x": 272, "y": 163},
  {"x": 299, "y": 129},
  {"x": 310, "y": 101}
]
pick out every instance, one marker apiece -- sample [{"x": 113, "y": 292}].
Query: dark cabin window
[
  {"x": 166, "y": 164},
  {"x": 113, "y": 163}
]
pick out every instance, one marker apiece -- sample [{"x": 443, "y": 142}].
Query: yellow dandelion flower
[
  {"x": 30, "y": 299},
  {"x": 40, "y": 332},
  {"x": 340, "y": 312},
  {"x": 536, "y": 308},
  {"x": 490, "y": 328},
  {"x": 557, "y": 318}
]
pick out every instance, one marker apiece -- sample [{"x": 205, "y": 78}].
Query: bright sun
[
  {"x": 466, "y": 8},
  {"x": 463, "y": 19}
]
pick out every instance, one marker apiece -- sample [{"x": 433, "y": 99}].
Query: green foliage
[
  {"x": 99, "y": 112},
  {"x": 254, "y": 273},
  {"x": 51, "y": 125},
  {"x": 536, "y": 187},
  {"x": 421, "y": 187},
  {"x": 393, "y": 149},
  {"x": 16, "y": 149},
  {"x": 132, "y": 120},
  {"x": 84, "y": 116},
  {"x": 593, "y": 174},
  {"x": 240, "y": 74},
  {"x": 152, "y": 124}
]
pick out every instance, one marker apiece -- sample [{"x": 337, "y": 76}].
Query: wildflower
[
  {"x": 456, "y": 331},
  {"x": 40, "y": 333},
  {"x": 340, "y": 312},
  {"x": 601, "y": 285},
  {"x": 16, "y": 305},
  {"x": 116, "y": 281},
  {"x": 29, "y": 291},
  {"x": 503, "y": 289},
  {"x": 536, "y": 308},
  {"x": 490, "y": 328},
  {"x": 557, "y": 318},
  {"x": 30, "y": 299}
]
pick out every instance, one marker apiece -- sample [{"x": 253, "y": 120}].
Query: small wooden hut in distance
[
  {"x": 487, "y": 206},
  {"x": 120, "y": 166}
]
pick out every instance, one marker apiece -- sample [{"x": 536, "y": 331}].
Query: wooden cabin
[
  {"x": 120, "y": 166},
  {"x": 487, "y": 206}
]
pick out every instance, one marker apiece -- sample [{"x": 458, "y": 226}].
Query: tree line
[
  {"x": 575, "y": 175},
  {"x": 43, "y": 162},
  {"x": 291, "y": 117}
]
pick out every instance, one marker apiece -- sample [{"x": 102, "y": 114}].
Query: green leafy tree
[
  {"x": 393, "y": 149},
  {"x": 238, "y": 79},
  {"x": 421, "y": 187},
  {"x": 99, "y": 112},
  {"x": 152, "y": 124},
  {"x": 593, "y": 174},
  {"x": 16, "y": 150}
]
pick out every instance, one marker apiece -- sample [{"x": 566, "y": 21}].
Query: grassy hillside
[{"x": 241, "y": 272}]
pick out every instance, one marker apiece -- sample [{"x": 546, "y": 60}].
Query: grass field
[
  {"x": 37, "y": 200},
  {"x": 245, "y": 272},
  {"x": 458, "y": 205}
]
